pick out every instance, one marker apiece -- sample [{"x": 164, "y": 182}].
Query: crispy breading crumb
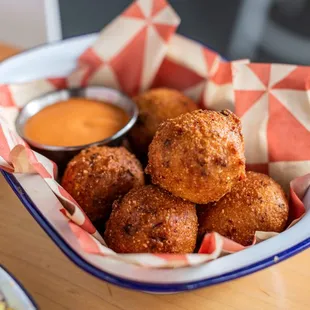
[
  {"x": 151, "y": 220},
  {"x": 204, "y": 158},
  {"x": 257, "y": 203},
  {"x": 155, "y": 106},
  {"x": 99, "y": 175}
]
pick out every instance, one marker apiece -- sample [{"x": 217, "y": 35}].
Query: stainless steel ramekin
[{"x": 62, "y": 154}]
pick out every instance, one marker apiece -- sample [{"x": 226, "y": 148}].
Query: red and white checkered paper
[
  {"x": 135, "y": 42},
  {"x": 138, "y": 50}
]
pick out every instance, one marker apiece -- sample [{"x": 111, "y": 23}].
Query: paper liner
[
  {"x": 187, "y": 67},
  {"x": 139, "y": 49},
  {"x": 130, "y": 49},
  {"x": 272, "y": 100}
]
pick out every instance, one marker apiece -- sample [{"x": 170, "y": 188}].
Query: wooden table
[{"x": 56, "y": 283}]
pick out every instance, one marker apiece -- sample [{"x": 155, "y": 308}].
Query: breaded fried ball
[
  {"x": 151, "y": 220},
  {"x": 257, "y": 203},
  {"x": 156, "y": 106},
  {"x": 99, "y": 175},
  {"x": 198, "y": 156}
]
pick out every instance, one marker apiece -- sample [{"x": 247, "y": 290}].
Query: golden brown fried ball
[
  {"x": 151, "y": 220},
  {"x": 198, "y": 156},
  {"x": 156, "y": 106},
  {"x": 257, "y": 203},
  {"x": 99, "y": 175}
]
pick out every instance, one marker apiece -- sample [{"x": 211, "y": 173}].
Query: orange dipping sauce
[{"x": 74, "y": 122}]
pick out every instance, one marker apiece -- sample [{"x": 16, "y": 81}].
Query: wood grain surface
[{"x": 56, "y": 283}]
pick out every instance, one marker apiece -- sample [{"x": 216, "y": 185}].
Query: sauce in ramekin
[{"x": 74, "y": 122}]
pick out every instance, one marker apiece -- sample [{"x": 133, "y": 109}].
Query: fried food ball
[
  {"x": 99, "y": 175},
  {"x": 156, "y": 106},
  {"x": 198, "y": 156},
  {"x": 150, "y": 220},
  {"x": 257, "y": 203}
]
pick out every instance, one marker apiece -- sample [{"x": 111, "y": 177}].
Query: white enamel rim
[{"x": 14, "y": 294}]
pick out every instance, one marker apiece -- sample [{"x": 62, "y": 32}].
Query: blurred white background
[
  {"x": 22, "y": 22},
  {"x": 262, "y": 30}
]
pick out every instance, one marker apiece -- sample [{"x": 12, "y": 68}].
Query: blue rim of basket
[
  {"x": 135, "y": 285},
  {"x": 126, "y": 283},
  {"x": 17, "y": 282}
]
